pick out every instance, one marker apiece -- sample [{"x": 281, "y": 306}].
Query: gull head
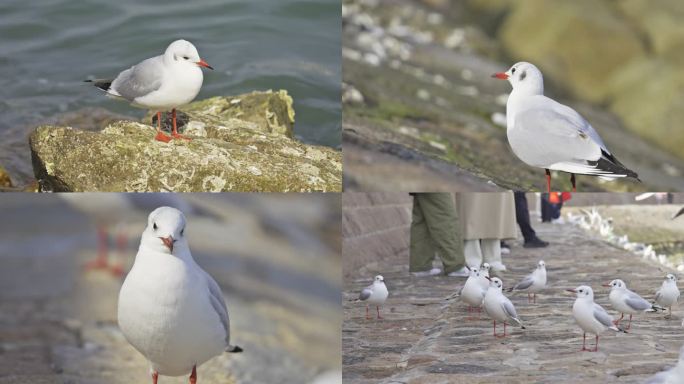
[
  {"x": 525, "y": 77},
  {"x": 495, "y": 282},
  {"x": 184, "y": 53},
  {"x": 671, "y": 277},
  {"x": 541, "y": 264},
  {"x": 473, "y": 271},
  {"x": 486, "y": 267},
  {"x": 583, "y": 292},
  {"x": 616, "y": 284},
  {"x": 165, "y": 230},
  {"x": 379, "y": 279}
]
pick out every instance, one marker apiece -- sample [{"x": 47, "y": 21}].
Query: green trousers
[{"x": 435, "y": 228}]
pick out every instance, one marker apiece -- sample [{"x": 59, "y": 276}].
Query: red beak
[
  {"x": 500, "y": 75},
  {"x": 168, "y": 241},
  {"x": 488, "y": 278},
  {"x": 571, "y": 290},
  {"x": 203, "y": 63}
]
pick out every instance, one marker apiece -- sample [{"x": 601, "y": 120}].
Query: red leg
[
  {"x": 548, "y": 181},
  {"x": 504, "y": 335},
  {"x": 378, "y": 309},
  {"x": 193, "y": 375},
  {"x": 494, "y": 328},
  {"x": 584, "y": 342},
  {"x": 572, "y": 180},
  {"x": 596, "y": 348},
  {"x": 155, "y": 376},
  {"x": 161, "y": 136},
  {"x": 175, "y": 133},
  {"x": 629, "y": 325},
  {"x": 617, "y": 322},
  {"x": 535, "y": 298},
  {"x": 100, "y": 261},
  {"x": 529, "y": 298},
  {"x": 367, "y": 316}
]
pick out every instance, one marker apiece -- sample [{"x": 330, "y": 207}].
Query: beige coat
[{"x": 487, "y": 215}]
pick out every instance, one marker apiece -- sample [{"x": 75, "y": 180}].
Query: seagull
[
  {"x": 498, "y": 307},
  {"x": 533, "y": 283},
  {"x": 591, "y": 317},
  {"x": 375, "y": 294},
  {"x": 160, "y": 83},
  {"x": 546, "y": 134},
  {"x": 626, "y": 301},
  {"x": 674, "y": 375},
  {"x": 668, "y": 294},
  {"x": 171, "y": 310},
  {"x": 473, "y": 293}
]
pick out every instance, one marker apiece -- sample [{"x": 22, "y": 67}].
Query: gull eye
[
  {"x": 182, "y": 230},
  {"x": 513, "y": 70},
  {"x": 154, "y": 226},
  {"x": 185, "y": 57}
]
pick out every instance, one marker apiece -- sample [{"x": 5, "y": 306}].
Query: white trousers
[{"x": 478, "y": 251}]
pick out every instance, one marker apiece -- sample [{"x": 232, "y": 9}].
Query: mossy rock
[{"x": 245, "y": 148}]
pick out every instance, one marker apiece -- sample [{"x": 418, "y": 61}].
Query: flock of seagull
[{"x": 481, "y": 291}]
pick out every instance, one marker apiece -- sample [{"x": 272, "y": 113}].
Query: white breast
[
  {"x": 379, "y": 294},
  {"x": 166, "y": 314},
  {"x": 180, "y": 85},
  {"x": 583, "y": 312}
]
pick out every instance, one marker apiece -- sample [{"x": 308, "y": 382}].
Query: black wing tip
[
  {"x": 610, "y": 164},
  {"x": 234, "y": 349},
  {"x": 522, "y": 327}
]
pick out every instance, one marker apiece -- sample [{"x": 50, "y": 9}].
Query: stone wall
[{"x": 375, "y": 228}]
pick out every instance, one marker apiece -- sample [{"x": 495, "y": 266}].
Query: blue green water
[{"x": 47, "y": 47}]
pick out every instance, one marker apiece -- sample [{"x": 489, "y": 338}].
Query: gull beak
[
  {"x": 488, "y": 278},
  {"x": 605, "y": 285},
  {"x": 203, "y": 63},
  {"x": 168, "y": 241},
  {"x": 571, "y": 290},
  {"x": 500, "y": 75}
]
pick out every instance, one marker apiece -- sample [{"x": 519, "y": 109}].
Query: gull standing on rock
[
  {"x": 668, "y": 294},
  {"x": 546, "y": 134},
  {"x": 591, "y": 317},
  {"x": 626, "y": 301},
  {"x": 160, "y": 83},
  {"x": 375, "y": 294},
  {"x": 170, "y": 309},
  {"x": 498, "y": 307},
  {"x": 532, "y": 283}
]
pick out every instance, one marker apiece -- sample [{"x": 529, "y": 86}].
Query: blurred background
[
  {"x": 275, "y": 256},
  {"x": 419, "y": 100},
  {"x": 48, "y": 47}
]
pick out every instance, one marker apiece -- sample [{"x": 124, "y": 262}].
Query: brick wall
[{"x": 375, "y": 226}]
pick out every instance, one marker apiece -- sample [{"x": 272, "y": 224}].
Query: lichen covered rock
[
  {"x": 243, "y": 145},
  {"x": 5, "y": 180}
]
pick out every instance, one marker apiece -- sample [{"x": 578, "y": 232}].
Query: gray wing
[
  {"x": 139, "y": 80},
  {"x": 219, "y": 305},
  {"x": 602, "y": 316},
  {"x": 365, "y": 293},
  {"x": 637, "y": 302},
  {"x": 525, "y": 283},
  {"x": 509, "y": 309}
]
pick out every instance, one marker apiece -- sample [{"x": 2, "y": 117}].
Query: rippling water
[{"x": 47, "y": 47}]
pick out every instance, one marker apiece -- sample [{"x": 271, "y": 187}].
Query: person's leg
[
  {"x": 442, "y": 222},
  {"x": 473, "y": 252},
  {"x": 546, "y": 209},
  {"x": 422, "y": 250},
  {"x": 522, "y": 216},
  {"x": 491, "y": 253}
]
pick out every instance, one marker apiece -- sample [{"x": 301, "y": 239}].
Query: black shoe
[{"x": 535, "y": 243}]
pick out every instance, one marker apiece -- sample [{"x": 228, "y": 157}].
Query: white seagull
[
  {"x": 533, "y": 283},
  {"x": 498, "y": 307},
  {"x": 626, "y": 301},
  {"x": 160, "y": 83},
  {"x": 591, "y": 317},
  {"x": 674, "y": 375},
  {"x": 668, "y": 294},
  {"x": 546, "y": 134},
  {"x": 171, "y": 310},
  {"x": 472, "y": 292},
  {"x": 375, "y": 294}
]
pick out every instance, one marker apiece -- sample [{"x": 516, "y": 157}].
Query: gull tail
[
  {"x": 519, "y": 322},
  {"x": 612, "y": 167},
  {"x": 656, "y": 308},
  {"x": 103, "y": 84},
  {"x": 233, "y": 349}
]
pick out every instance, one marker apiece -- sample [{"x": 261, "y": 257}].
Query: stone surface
[
  {"x": 240, "y": 143},
  {"x": 425, "y": 339}
]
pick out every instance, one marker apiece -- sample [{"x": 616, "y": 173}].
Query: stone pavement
[
  {"x": 280, "y": 278},
  {"x": 425, "y": 339}
]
